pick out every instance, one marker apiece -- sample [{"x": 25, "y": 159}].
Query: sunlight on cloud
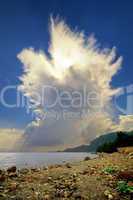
[
  {"x": 72, "y": 57},
  {"x": 125, "y": 123},
  {"x": 73, "y": 60}
]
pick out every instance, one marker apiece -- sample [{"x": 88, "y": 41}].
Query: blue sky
[{"x": 25, "y": 24}]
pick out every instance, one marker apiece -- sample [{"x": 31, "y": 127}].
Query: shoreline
[
  {"x": 92, "y": 179},
  {"x": 37, "y": 159}
]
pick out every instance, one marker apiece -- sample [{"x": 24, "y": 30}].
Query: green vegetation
[
  {"x": 108, "y": 147},
  {"x": 110, "y": 170},
  {"x": 123, "y": 139},
  {"x": 123, "y": 187}
]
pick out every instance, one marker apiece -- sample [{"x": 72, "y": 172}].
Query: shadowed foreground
[{"x": 110, "y": 176}]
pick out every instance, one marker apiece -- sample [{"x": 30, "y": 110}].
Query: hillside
[
  {"x": 92, "y": 147},
  {"x": 120, "y": 139}
]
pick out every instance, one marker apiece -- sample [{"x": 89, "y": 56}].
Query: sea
[{"x": 35, "y": 159}]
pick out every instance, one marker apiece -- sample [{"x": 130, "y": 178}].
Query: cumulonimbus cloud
[{"x": 73, "y": 61}]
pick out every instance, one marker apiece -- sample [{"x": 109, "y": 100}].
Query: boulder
[
  {"x": 87, "y": 158},
  {"x": 11, "y": 169}
]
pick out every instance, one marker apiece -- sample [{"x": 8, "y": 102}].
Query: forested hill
[{"x": 119, "y": 139}]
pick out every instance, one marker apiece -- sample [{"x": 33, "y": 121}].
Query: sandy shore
[{"x": 95, "y": 179}]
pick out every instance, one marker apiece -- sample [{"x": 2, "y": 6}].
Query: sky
[{"x": 25, "y": 24}]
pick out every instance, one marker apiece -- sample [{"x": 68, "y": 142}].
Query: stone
[
  {"x": 2, "y": 178},
  {"x": 45, "y": 168},
  {"x": 68, "y": 165},
  {"x": 12, "y": 169},
  {"x": 12, "y": 186},
  {"x": 2, "y": 195},
  {"x": 12, "y": 175},
  {"x": 77, "y": 195},
  {"x": 75, "y": 175},
  {"x": 130, "y": 155},
  {"x": 86, "y": 171},
  {"x": 106, "y": 192},
  {"x": 35, "y": 169},
  {"x": 110, "y": 196},
  {"x": 49, "y": 178},
  {"x": 46, "y": 197},
  {"x": 24, "y": 171},
  {"x": 87, "y": 158}
]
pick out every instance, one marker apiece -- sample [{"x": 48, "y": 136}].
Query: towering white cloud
[{"x": 74, "y": 62}]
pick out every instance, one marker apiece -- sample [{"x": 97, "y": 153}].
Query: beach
[{"x": 92, "y": 179}]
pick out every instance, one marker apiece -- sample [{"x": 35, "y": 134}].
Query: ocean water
[{"x": 39, "y": 159}]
